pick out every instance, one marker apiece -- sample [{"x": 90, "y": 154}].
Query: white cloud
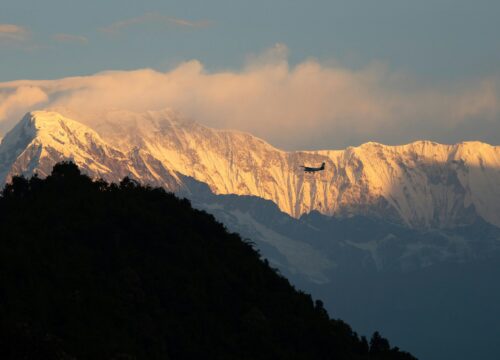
[
  {"x": 20, "y": 98},
  {"x": 69, "y": 38},
  {"x": 311, "y": 105},
  {"x": 13, "y": 32},
  {"x": 153, "y": 18}
]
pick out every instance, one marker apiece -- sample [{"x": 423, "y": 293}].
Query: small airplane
[{"x": 308, "y": 169}]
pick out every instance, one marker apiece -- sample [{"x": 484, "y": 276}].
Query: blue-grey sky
[
  {"x": 431, "y": 38},
  {"x": 398, "y": 70}
]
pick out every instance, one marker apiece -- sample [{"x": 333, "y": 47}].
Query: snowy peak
[
  {"x": 72, "y": 140},
  {"x": 44, "y": 138}
]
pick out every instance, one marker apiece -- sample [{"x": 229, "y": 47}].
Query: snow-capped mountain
[
  {"x": 412, "y": 218},
  {"x": 422, "y": 185},
  {"x": 42, "y": 139}
]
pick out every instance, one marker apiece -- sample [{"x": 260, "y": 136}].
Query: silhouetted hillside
[{"x": 90, "y": 270}]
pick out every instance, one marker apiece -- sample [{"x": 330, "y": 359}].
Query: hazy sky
[{"x": 300, "y": 74}]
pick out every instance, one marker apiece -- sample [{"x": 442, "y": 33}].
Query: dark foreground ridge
[{"x": 90, "y": 270}]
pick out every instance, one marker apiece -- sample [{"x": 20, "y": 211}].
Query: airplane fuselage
[{"x": 308, "y": 169}]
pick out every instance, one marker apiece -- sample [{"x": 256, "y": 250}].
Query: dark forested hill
[{"x": 90, "y": 270}]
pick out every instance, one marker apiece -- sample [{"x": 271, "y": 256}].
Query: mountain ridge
[{"x": 422, "y": 184}]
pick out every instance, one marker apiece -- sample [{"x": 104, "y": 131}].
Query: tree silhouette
[
  {"x": 91, "y": 270},
  {"x": 378, "y": 344}
]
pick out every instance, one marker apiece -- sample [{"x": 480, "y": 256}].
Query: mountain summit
[
  {"x": 43, "y": 138},
  {"x": 420, "y": 185}
]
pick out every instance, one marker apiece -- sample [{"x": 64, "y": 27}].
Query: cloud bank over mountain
[{"x": 310, "y": 105}]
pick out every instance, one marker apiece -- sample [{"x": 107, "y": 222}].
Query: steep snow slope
[
  {"x": 425, "y": 183},
  {"x": 422, "y": 185},
  {"x": 42, "y": 139}
]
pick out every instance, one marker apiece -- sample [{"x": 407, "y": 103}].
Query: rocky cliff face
[{"x": 421, "y": 185}]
